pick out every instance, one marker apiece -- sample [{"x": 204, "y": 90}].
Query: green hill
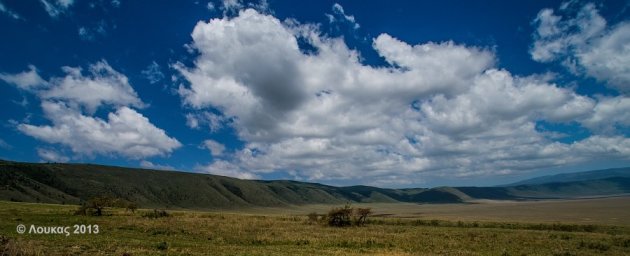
[
  {"x": 577, "y": 176},
  {"x": 74, "y": 183}
]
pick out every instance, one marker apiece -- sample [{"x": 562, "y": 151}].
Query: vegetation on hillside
[{"x": 78, "y": 183}]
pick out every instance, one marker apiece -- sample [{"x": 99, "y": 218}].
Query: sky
[{"x": 396, "y": 94}]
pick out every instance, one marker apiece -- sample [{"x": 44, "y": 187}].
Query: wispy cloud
[
  {"x": 56, "y": 7},
  {"x": 153, "y": 73},
  {"x": 339, "y": 15},
  {"x": 584, "y": 43},
  {"x": 10, "y": 13}
]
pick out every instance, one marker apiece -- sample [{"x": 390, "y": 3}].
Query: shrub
[
  {"x": 156, "y": 214},
  {"x": 95, "y": 206},
  {"x": 346, "y": 216},
  {"x": 162, "y": 246},
  {"x": 340, "y": 217},
  {"x": 362, "y": 214},
  {"x": 313, "y": 217}
]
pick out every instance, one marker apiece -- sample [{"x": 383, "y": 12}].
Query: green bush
[
  {"x": 96, "y": 206},
  {"x": 347, "y": 216},
  {"x": 156, "y": 214},
  {"x": 340, "y": 217},
  {"x": 162, "y": 246}
]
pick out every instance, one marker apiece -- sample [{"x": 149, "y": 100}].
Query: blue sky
[{"x": 403, "y": 94}]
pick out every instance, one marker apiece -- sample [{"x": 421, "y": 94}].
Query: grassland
[{"x": 403, "y": 230}]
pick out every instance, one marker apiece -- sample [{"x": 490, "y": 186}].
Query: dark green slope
[
  {"x": 73, "y": 183},
  {"x": 587, "y": 188},
  {"x": 577, "y": 176}
]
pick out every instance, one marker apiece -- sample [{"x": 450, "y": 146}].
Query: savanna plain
[{"x": 597, "y": 226}]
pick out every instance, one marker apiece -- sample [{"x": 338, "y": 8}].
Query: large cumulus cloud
[{"x": 438, "y": 108}]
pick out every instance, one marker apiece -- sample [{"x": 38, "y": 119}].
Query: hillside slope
[
  {"x": 577, "y": 176},
  {"x": 74, "y": 183}
]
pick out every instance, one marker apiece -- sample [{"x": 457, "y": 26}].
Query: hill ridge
[{"x": 74, "y": 183}]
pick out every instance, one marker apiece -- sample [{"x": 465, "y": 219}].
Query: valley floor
[{"x": 567, "y": 227}]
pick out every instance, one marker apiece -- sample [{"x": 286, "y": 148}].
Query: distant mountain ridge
[
  {"x": 577, "y": 176},
  {"x": 74, "y": 183}
]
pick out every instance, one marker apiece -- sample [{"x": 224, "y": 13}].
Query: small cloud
[
  {"x": 262, "y": 6},
  {"x": 153, "y": 73},
  {"x": 27, "y": 80},
  {"x": 224, "y": 168},
  {"x": 213, "y": 121},
  {"x": 89, "y": 34},
  {"x": 342, "y": 16},
  {"x": 149, "y": 165},
  {"x": 84, "y": 34},
  {"x": 216, "y": 148},
  {"x": 8, "y": 12},
  {"x": 23, "y": 103},
  {"x": 584, "y": 43},
  {"x": 50, "y": 155},
  {"x": 210, "y": 6},
  {"x": 232, "y": 5},
  {"x": 56, "y": 7}
]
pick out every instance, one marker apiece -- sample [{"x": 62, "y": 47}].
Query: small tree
[
  {"x": 95, "y": 206},
  {"x": 340, "y": 217},
  {"x": 362, "y": 214}
]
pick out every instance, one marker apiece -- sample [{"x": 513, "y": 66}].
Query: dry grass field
[
  {"x": 597, "y": 211},
  {"x": 570, "y": 227}
]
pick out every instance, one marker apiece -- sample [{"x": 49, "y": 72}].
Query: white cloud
[
  {"x": 85, "y": 35},
  {"x": 102, "y": 85},
  {"x": 50, "y": 155},
  {"x": 585, "y": 44},
  {"x": 65, "y": 99},
  {"x": 216, "y": 148},
  {"x": 438, "y": 109},
  {"x": 56, "y": 7},
  {"x": 27, "y": 80},
  {"x": 339, "y": 12},
  {"x": 125, "y": 132},
  {"x": 90, "y": 33},
  {"x": 153, "y": 73},
  {"x": 225, "y": 168},
  {"x": 8, "y": 12},
  {"x": 232, "y": 5},
  {"x": 149, "y": 165},
  {"x": 204, "y": 118},
  {"x": 609, "y": 114},
  {"x": 210, "y": 6}
]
